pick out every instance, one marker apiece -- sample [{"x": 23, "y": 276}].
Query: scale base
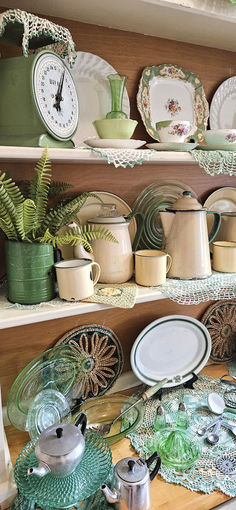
[{"x": 43, "y": 140}]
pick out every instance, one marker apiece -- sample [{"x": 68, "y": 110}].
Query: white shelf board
[
  {"x": 205, "y": 22},
  {"x": 77, "y": 156},
  {"x": 11, "y": 316}
]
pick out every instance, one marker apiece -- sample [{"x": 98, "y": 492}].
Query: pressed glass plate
[{"x": 61, "y": 492}]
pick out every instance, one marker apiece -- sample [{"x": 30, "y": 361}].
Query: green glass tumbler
[{"x": 117, "y": 85}]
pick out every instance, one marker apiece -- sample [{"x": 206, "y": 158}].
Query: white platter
[
  {"x": 222, "y": 108},
  {"x": 175, "y": 346},
  {"x": 114, "y": 143},
  {"x": 90, "y": 76}
]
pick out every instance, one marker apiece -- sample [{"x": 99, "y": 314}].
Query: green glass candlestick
[{"x": 117, "y": 84}]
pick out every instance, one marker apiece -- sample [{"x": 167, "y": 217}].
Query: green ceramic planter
[{"x": 30, "y": 272}]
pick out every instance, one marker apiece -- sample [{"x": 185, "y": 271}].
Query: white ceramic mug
[
  {"x": 224, "y": 256},
  {"x": 75, "y": 278},
  {"x": 151, "y": 267}
]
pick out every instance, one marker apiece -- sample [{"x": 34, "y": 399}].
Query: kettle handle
[
  {"x": 82, "y": 420},
  {"x": 216, "y": 225},
  {"x": 157, "y": 466},
  {"x": 139, "y": 229}
]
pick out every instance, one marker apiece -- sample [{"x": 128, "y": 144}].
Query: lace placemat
[
  {"x": 204, "y": 475},
  {"x": 124, "y": 157},
  {"x": 193, "y": 292},
  {"x": 216, "y": 162},
  {"x": 36, "y": 32},
  {"x": 121, "y": 295}
]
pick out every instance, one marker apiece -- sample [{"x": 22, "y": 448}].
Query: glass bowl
[{"x": 104, "y": 410}]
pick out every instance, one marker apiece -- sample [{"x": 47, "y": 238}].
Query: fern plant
[{"x": 24, "y": 215}]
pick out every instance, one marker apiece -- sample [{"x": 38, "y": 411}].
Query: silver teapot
[
  {"x": 60, "y": 448},
  {"x": 133, "y": 483}
]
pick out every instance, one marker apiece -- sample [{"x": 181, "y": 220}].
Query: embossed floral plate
[
  {"x": 220, "y": 321},
  {"x": 222, "y": 108},
  {"x": 169, "y": 92},
  {"x": 175, "y": 347},
  {"x": 102, "y": 363},
  {"x": 90, "y": 76}
]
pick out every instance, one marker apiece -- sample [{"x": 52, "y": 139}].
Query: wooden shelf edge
[
  {"x": 80, "y": 155},
  {"x": 11, "y": 316}
]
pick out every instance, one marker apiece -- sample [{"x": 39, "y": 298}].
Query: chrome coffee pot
[
  {"x": 60, "y": 448},
  {"x": 133, "y": 483}
]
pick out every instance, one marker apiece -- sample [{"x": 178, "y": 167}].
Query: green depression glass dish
[
  {"x": 67, "y": 491},
  {"x": 54, "y": 369},
  {"x": 177, "y": 448},
  {"x": 47, "y": 408},
  {"x": 104, "y": 410}
]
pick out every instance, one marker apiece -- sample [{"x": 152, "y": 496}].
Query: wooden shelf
[
  {"x": 11, "y": 316},
  {"x": 77, "y": 156},
  {"x": 205, "y": 22}
]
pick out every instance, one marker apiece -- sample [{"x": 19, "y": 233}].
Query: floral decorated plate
[
  {"x": 100, "y": 359},
  {"x": 169, "y": 92},
  {"x": 220, "y": 321}
]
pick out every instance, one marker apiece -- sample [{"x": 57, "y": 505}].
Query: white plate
[
  {"x": 114, "y": 143},
  {"x": 169, "y": 92},
  {"x": 90, "y": 76},
  {"x": 174, "y": 346},
  {"x": 91, "y": 209},
  {"x": 218, "y": 147},
  {"x": 176, "y": 147},
  {"x": 222, "y": 109},
  {"x": 222, "y": 200}
]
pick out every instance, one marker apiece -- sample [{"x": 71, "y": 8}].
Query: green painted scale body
[{"x": 38, "y": 102}]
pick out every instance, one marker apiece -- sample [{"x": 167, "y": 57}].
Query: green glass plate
[{"x": 54, "y": 369}]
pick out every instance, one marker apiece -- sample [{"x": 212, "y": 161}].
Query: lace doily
[
  {"x": 121, "y": 295},
  {"x": 29, "y": 31},
  {"x": 216, "y": 162},
  {"x": 124, "y": 157},
  {"x": 204, "y": 475},
  {"x": 192, "y": 292}
]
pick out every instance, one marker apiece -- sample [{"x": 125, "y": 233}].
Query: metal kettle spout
[
  {"x": 42, "y": 470},
  {"x": 111, "y": 496},
  {"x": 167, "y": 218}
]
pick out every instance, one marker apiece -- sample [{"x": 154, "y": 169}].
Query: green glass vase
[
  {"x": 30, "y": 272},
  {"x": 117, "y": 85}
]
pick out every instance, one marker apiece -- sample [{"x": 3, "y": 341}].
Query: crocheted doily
[{"x": 216, "y": 162}]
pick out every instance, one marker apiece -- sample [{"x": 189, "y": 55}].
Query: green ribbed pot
[{"x": 30, "y": 272}]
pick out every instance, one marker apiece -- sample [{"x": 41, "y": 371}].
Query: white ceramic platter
[
  {"x": 104, "y": 143},
  {"x": 174, "y": 346},
  {"x": 222, "y": 200},
  {"x": 91, "y": 208},
  {"x": 90, "y": 76},
  {"x": 169, "y": 92},
  {"x": 222, "y": 109},
  {"x": 176, "y": 147}
]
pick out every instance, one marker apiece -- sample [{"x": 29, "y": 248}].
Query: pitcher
[
  {"x": 115, "y": 259},
  {"x": 186, "y": 238}
]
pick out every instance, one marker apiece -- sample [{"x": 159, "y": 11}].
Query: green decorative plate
[
  {"x": 169, "y": 92},
  {"x": 100, "y": 359},
  {"x": 217, "y": 147},
  {"x": 176, "y": 147}
]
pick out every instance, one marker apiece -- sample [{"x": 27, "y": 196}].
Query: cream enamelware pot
[
  {"x": 114, "y": 258},
  {"x": 186, "y": 238},
  {"x": 224, "y": 256}
]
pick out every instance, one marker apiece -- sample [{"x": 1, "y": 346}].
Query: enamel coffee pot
[
  {"x": 133, "y": 483},
  {"x": 114, "y": 258},
  {"x": 186, "y": 238}
]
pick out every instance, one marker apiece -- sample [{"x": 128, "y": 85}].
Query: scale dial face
[{"x": 55, "y": 96}]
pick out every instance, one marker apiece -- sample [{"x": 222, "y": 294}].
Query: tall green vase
[
  {"x": 30, "y": 272},
  {"x": 117, "y": 85}
]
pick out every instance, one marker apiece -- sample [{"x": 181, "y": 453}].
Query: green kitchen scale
[{"x": 38, "y": 101}]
